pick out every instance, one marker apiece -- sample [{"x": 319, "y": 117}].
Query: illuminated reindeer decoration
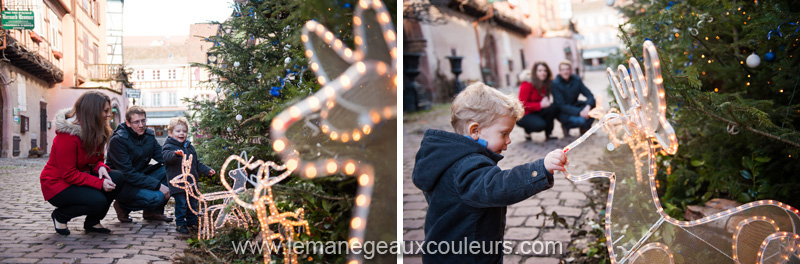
[
  {"x": 264, "y": 205},
  {"x": 637, "y": 229},
  {"x": 214, "y": 216}
]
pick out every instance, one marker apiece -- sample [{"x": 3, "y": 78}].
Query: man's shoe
[
  {"x": 122, "y": 214},
  {"x": 98, "y": 228},
  {"x": 527, "y": 137},
  {"x": 584, "y": 130},
  {"x": 182, "y": 229},
  {"x": 156, "y": 217},
  {"x": 60, "y": 231}
]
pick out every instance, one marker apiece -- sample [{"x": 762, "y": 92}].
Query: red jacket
[
  {"x": 530, "y": 97},
  {"x": 68, "y": 163}
]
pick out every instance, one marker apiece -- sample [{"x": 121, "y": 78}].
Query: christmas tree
[
  {"x": 731, "y": 82},
  {"x": 259, "y": 69}
]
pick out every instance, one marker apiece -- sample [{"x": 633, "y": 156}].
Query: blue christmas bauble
[{"x": 769, "y": 57}]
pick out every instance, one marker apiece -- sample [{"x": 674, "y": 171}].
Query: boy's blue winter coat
[
  {"x": 467, "y": 193},
  {"x": 173, "y": 161}
]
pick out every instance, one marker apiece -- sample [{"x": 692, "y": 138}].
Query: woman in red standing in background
[
  {"x": 75, "y": 180},
  {"x": 535, "y": 98}
]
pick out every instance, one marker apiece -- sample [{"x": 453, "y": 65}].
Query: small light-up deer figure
[
  {"x": 637, "y": 229},
  {"x": 211, "y": 216},
  {"x": 267, "y": 211}
]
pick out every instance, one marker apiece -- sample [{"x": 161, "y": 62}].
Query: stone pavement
[
  {"x": 27, "y": 235},
  {"x": 522, "y": 224}
]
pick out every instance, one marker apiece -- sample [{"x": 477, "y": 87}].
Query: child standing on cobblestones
[
  {"x": 175, "y": 147},
  {"x": 467, "y": 193}
]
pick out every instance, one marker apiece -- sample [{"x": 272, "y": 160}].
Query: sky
[{"x": 170, "y": 17}]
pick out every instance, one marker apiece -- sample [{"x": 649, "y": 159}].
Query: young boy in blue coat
[
  {"x": 175, "y": 147},
  {"x": 467, "y": 193}
]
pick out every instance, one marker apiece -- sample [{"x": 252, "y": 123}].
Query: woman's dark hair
[
  {"x": 95, "y": 130},
  {"x": 544, "y": 84}
]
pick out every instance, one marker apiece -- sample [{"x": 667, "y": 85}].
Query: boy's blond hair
[
  {"x": 175, "y": 121},
  {"x": 482, "y": 104}
]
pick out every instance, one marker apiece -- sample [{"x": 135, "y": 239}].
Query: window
[
  {"x": 95, "y": 54},
  {"x": 172, "y": 74},
  {"x": 55, "y": 31},
  {"x": 156, "y": 74},
  {"x": 156, "y": 99},
  {"x": 173, "y": 98},
  {"x": 90, "y": 6},
  {"x": 140, "y": 75},
  {"x": 85, "y": 50},
  {"x": 38, "y": 24}
]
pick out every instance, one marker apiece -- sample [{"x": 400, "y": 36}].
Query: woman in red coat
[
  {"x": 535, "y": 98},
  {"x": 75, "y": 180}
]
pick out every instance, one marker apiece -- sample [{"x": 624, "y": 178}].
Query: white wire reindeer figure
[{"x": 637, "y": 229}]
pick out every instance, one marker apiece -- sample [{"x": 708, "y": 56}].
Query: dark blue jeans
[
  {"x": 571, "y": 121},
  {"x": 183, "y": 215},
  {"x": 149, "y": 200}
]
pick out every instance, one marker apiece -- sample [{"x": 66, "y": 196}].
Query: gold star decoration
[
  {"x": 637, "y": 230},
  {"x": 351, "y": 121}
]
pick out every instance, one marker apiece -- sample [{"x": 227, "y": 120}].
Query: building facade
[
  {"x": 598, "y": 25},
  {"x": 47, "y": 68},
  {"x": 161, "y": 68},
  {"x": 496, "y": 41}
]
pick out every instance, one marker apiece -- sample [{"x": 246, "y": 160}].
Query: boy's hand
[
  {"x": 212, "y": 172},
  {"x": 179, "y": 153},
  {"x": 556, "y": 160}
]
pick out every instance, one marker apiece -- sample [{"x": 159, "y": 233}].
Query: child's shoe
[{"x": 182, "y": 229}]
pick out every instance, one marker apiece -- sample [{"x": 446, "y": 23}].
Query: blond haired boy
[
  {"x": 467, "y": 193},
  {"x": 175, "y": 148}
]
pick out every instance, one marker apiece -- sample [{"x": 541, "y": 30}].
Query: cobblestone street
[
  {"x": 27, "y": 235},
  {"x": 522, "y": 224}
]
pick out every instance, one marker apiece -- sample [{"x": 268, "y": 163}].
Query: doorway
[{"x": 43, "y": 127}]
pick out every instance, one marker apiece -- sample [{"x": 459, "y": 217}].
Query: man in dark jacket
[
  {"x": 130, "y": 150},
  {"x": 566, "y": 89}
]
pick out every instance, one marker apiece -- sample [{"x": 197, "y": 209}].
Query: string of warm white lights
[
  {"x": 657, "y": 246},
  {"x": 646, "y": 133},
  {"x": 263, "y": 204},
  {"x": 214, "y": 216},
  {"x": 359, "y": 92}
]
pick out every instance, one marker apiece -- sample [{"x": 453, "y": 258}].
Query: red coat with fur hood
[{"x": 69, "y": 164}]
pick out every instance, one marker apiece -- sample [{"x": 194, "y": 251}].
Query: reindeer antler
[{"x": 642, "y": 99}]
